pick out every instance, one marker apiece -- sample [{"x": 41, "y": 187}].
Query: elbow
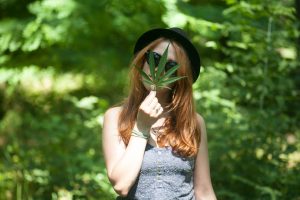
[
  {"x": 119, "y": 186},
  {"x": 205, "y": 194},
  {"x": 121, "y": 190}
]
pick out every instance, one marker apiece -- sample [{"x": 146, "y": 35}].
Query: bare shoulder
[
  {"x": 200, "y": 119},
  {"x": 113, "y": 112},
  {"x": 202, "y": 125},
  {"x": 111, "y": 118},
  {"x": 110, "y": 132}
]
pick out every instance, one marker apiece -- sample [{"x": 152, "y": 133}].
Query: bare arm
[
  {"x": 123, "y": 163},
  {"x": 202, "y": 181}
]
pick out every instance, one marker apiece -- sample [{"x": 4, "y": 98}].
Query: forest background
[{"x": 64, "y": 62}]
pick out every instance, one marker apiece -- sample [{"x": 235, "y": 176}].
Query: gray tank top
[{"x": 163, "y": 176}]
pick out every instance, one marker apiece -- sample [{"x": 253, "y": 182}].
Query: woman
[{"x": 155, "y": 144}]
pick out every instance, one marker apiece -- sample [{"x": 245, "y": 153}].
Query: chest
[{"x": 162, "y": 161}]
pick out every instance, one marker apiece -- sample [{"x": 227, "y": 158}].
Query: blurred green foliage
[{"x": 64, "y": 62}]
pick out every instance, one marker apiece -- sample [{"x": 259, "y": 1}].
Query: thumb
[{"x": 152, "y": 93}]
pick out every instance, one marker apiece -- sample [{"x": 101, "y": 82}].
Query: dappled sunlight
[
  {"x": 63, "y": 63},
  {"x": 35, "y": 80}
]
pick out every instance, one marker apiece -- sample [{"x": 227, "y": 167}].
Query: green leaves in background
[{"x": 57, "y": 62}]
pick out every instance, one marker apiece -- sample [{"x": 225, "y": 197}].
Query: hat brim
[{"x": 190, "y": 49}]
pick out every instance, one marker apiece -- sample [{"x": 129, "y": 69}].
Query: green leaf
[
  {"x": 162, "y": 63},
  {"x": 169, "y": 80},
  {"x": 148, "y": 82},
  {"x": 170, "y": 72},
  {"x": 157, "y": 80},
  {"x": 164, "y": 86},
  {"x": 152, "y": 65},
  {"x": 144, "y": 75}
]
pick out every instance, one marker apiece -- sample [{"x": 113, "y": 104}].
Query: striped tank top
[{"x": 163, "y": 176}]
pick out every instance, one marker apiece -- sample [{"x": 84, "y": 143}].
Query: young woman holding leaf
[{"x": 155, "y": 144}]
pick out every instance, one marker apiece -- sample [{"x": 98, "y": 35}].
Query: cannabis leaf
[{"x": 158, "y": 79}]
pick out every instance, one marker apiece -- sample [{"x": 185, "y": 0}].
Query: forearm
[{"x": 126, "y": 170}]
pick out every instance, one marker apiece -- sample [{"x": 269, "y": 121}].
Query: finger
[
  {"x": 149, "y": 105},
  {"x": 153, "y": 103},
  {"x": 149, "y": 98},
  {"x": 155, "y": 110},
  {"x": 158, "y": 112},
  {"x": 161, "y": 110},
  {"x": 150, "y": 108},
  {"x": 152, "y": 95}
]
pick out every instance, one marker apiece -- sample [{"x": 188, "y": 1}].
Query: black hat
[{"x": 176, "y": 34}]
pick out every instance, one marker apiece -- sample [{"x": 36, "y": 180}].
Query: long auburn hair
[{"x": 181, "y": 130}]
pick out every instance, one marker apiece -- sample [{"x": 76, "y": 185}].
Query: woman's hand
[{"x": 148, "y": 112}]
